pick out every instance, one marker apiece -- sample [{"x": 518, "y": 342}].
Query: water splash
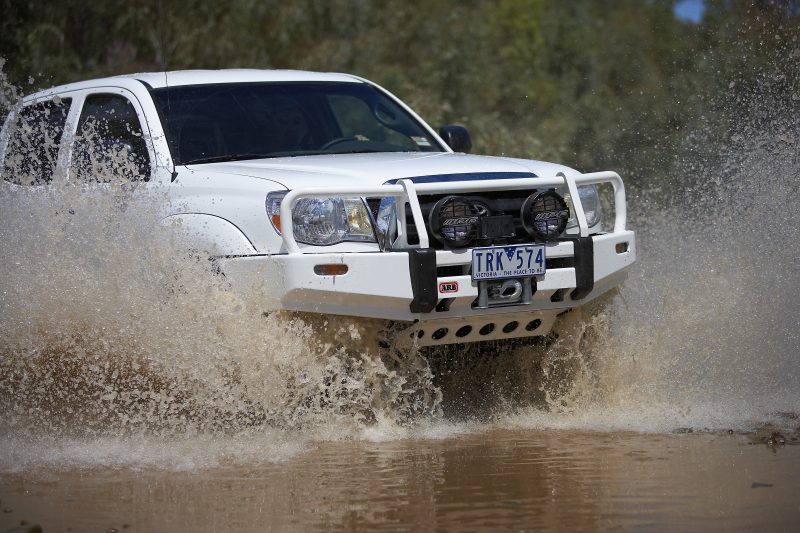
[
  {"x": 115, "y": 338},
  {"x": 704, "y": 334},
  {"x": 111, "y": 327}
]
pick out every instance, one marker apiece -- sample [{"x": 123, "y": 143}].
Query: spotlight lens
[
  {"x": 454, "y": 220},
  {"x": 545, "y": 215}
]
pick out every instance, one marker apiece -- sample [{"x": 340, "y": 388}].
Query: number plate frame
[{"x": 510, "y": 256}]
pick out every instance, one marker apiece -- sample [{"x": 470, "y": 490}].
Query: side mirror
[{"x": 456, "y": 137}]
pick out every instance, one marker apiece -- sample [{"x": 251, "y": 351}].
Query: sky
[{"x": 690, "y": 10}]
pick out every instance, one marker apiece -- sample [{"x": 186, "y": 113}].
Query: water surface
[{"x": 520, "y": 480}]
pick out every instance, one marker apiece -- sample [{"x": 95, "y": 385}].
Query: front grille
[{"x": 498, "y": 202}]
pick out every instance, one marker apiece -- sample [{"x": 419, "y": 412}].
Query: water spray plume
[{"x": 110, "y": 330}]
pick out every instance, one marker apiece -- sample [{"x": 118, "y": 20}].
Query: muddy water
[{"x": 491, "y": 480}]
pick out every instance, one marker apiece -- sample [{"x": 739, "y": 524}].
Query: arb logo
[{"x": 448, "y": 287}]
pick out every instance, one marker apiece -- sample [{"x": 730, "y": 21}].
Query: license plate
[{"x": 498, "y": 262}]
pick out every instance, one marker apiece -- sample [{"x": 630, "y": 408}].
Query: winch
[{"x": 504, "y": 292}]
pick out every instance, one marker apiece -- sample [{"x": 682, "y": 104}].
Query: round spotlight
[
  {"x": 545, "y": 215},
  {"x": 454, "y": 220}
]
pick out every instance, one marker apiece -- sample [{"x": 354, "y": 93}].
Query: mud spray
[{"x": 119, "y": 347}]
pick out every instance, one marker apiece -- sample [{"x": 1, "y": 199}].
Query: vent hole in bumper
[
  {"x": 533, "y": 324},
  {"x": 439, "y": 334},
  {"x": 487, "y": 329},
  {"x": 511, "y": 326},
  {"x": 463, "y": 331}
]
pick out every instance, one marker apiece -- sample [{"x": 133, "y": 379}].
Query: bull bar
[{"x": 406, "y": 191}]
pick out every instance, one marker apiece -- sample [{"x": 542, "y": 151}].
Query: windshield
[{"x": 233, "y": 121}]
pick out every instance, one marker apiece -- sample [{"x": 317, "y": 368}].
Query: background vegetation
[{"x": 596, "y": 84}]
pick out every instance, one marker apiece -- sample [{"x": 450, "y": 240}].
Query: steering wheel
[{"x": 337, "y": 140}]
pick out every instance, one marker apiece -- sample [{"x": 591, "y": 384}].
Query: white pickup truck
[{"x": 329, "y": 195}]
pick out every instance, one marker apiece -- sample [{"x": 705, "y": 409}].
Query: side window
[
  {"x": 34, "y": 139},
  {"x": 109, "y": 144},
  {"x": 356, "y": 120}
]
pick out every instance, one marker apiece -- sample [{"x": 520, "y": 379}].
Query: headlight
[
  {"x": 324, "y": 221},
  {"x": 590, "y": 201},
  {"x": 386, "y": 222}
]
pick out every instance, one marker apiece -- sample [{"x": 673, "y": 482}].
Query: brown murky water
[{"x": 492, "y": 480}]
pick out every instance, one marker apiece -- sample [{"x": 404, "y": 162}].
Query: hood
[{"x": 375, "y": 169}]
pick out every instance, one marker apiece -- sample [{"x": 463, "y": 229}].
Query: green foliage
[{"x": 597, "y": 84}]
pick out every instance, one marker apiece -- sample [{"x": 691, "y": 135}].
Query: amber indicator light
[{"x": 330, "y": 270}]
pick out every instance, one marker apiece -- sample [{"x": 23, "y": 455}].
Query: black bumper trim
[
  {"x": 584, "y": 267},
  {"x": 422, "y": 269}
]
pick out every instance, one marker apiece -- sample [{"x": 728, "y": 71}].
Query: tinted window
[
  {"x": 356, "y": 119},
  {"x": 232, "y": 121},
  {"x": 33, "y": 142},
  {"x": 109, "y": 144}
]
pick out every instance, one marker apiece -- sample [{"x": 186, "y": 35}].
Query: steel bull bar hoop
[
  {"x": 422, "y": 258},
  {"x": 406, "y": 191}
]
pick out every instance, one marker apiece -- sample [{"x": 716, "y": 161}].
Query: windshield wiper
[
  {"x": 365, "y": 151},
  {"x": 229, "y": 157}
]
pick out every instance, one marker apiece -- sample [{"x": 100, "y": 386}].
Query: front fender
[{"x": 211, "y": 234}]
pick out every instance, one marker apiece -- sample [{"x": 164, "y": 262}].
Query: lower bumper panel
[{"x": 404, "y": 286}]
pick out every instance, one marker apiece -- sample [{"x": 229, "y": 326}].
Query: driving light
[
  {"x": 454, "y": 220},
  {"x": 544, "y": 215}
]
